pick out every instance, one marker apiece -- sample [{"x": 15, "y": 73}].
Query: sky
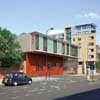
[{"x": 39, "y": 15}]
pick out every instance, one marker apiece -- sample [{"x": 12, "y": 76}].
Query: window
[
  {"x": 84, "y": 27},
  {"x": 73, "y": 39},
  {"x": 63, "y": 48},
  {"x": 45, "y": 43},
  {"x": 79, "y": 39},
  {"x": 91, "y": 56},
  {"x": 92, "y": 50},
  {"x": 67, "y": 49},
  {"x": 93, "y": 31},
  {"x": 49, "y": 65},
  {"x": 91, "y": 37},
  {"x": 58, "y": 65},
  {"x": 37, "y": 42},
  {"x": 79, "y": 44},
  {"x": 55, "y": 46},
  {"x": 39, "y": 67},
  {"x": 91, "y": 43}
]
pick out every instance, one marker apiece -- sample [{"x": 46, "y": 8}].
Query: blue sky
[{"x": 39, "y": 15}]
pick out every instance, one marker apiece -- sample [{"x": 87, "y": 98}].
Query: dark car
[{"x": 16, "y": 78}]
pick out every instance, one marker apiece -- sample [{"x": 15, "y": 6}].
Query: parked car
[{"x": 16, "y": 78}]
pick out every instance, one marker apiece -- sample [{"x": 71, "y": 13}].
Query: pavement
[
  {"x": 65, "y": 87},
  {"x": 43, "y": 78}
]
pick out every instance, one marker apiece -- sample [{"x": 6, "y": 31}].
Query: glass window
[
  {"x": 39, "y": 67},
  {"x": 91, "y": 43},
  {"x": 49, "y": 65},
  {"x": 55, "y": 46},
  {"x": 91, "y": 37},
  {"x": 37, "y": 42},
  {"x": 67, "y": 49},
  {"x": 58, "y": 65},
  {"x": 63, "y": 48},
  {"x": 73, "y": 39},
  {"x": 79, "y": 39},
  {"x": 91, "y": 56},
  {"x": 93, "y": 31},
  {"x": 45, "y": 43},
  {"x": 92, "y": 50}
]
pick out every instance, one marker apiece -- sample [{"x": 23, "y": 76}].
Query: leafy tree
[
  {"x": 98, "y": 63},
  {"x": 9, "y": 49}
]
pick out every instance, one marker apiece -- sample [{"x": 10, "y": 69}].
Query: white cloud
[
  {"x": 55, "y": 32},
  {"x": 90, "y": 15}
]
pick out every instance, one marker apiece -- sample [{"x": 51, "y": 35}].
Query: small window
[
  {"x": 92, "y": 50},
  {"x": 91, "y": 37},
  {"x": 73, "y": 39},
  {"x": 93, "y": 31},
  {"x": 37, "y": 42},
  {"x": 55, "y": 46},
  {"x": 92, "y": 56},
  {"x": 79, "y": 44},
  {"x": 79, "y": 39},
  {"x": 63, "y": 48},
  {"x": 49, "y": 65},
  {"x": 45, "y": 43},
  {"x": 39, "y": 67},
  {"x": 91, "y": 43},
  {"x": 58, "y": 65}
]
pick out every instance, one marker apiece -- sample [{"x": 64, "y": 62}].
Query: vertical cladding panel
[
  {"x": 40, "y": 43},
  {"x": 59, "y": 47},
  {"x": 33, "y": 42},
  {"x": 65, "y": 49},
  {"x": 50, "y": 45},
  {"x": 25, "y": 41}
]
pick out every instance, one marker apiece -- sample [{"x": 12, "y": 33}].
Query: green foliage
[
  {"x": 9, "y": 54},
  {"x": 98, "y": 63},
  {"x": 31, "y": 75}
]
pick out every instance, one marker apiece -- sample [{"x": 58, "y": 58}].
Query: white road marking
[
  {"x": 71, "y": 81},
  {"x": 26, "y": 94},
  {"x": 16, "y": 97},
  {"x": 2, "y": 93},
  {"x": 42, "y": 89},
  {"x": 32, "y": 91},
  {"x": 39, "y": 92}
]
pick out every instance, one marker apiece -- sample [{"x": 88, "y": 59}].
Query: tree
[
  {"x": 9, "y": 49},
  {"x": 98, "y": 63}
]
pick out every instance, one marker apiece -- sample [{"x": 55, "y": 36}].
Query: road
[{"x": 61, "y": 88}]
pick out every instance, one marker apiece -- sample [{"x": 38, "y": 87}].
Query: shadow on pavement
[{"x": 88, "y": 95}]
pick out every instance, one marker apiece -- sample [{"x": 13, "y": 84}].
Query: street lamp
[
  {"x": 49, "y": 30},
  {"x": 47, "y": 48}
]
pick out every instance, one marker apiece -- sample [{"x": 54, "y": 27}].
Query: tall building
[
  {"x": 98, "y": 53},
  {"x": 84, "y": 36},
  {"x": 46, "y": 55}
]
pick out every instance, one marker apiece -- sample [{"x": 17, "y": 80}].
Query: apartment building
[
  {"x": 84, "y": 36},
  {"x": 46, "y": 55},
  {"x": 98, "y": 53}
]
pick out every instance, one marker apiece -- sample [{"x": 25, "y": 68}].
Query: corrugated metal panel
[
  {"x": 40, "y": 43},
  {"x": 59, "y": 47},
  {"x": 65, "y": 49},
  {"x": 50, "y": 46}
]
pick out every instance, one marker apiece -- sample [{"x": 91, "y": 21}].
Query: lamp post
[{"x": 47, "y": 48}]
